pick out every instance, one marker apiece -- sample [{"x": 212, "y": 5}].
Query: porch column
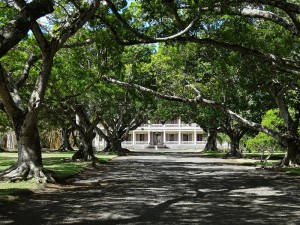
[
  {"x": 195, "y": 137},
  {"x": 133, "y": 137},
  {"x": 179, "y": 137},
  {"x": 164, "y": 137},
  {"x": 149, "y": 137}
]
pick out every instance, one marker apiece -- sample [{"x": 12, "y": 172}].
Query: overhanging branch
[
  {"x": 280, "y": 4},
  {"x": 202, "y": 101},
  {"x": 15, "y": 30},
  {"x": 145, "y": 37},
  {"x": 30, "y": 62},
  {"x": 79, "y": 44}
]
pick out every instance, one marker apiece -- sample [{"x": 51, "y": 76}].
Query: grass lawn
[
  {"x": 253, "y": 159},
  {"x": 291, "y": 170},
  {"x": 56, "y": 161},
  {"x": 255, "y": 155}
]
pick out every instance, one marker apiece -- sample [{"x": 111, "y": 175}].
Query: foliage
[
  {"x": 225, "y": 55},
  {"x": 291, "y": 170},
  {"x": 261, "y": 141},
  {"x": 5, "y": 124}
]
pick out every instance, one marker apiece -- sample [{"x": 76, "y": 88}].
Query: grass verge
[
  {"x": 291, "y": 170},
  {"x": 253, "y": 159},
  {"x": 57, "y": 161}
]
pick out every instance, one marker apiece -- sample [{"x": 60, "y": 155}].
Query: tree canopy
[{"x": 239, "y": 57}]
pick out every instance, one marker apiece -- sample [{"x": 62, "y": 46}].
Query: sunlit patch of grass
[
  {"x": 275, "y": 155},
  {"x": 254, "y": 162},
  {"x": 8, "y": 189},
  {"x": 291, "y": 170},
  {"x": 59, "y": 162},
  {"x": 65, "y": 169},
  {"x": 7, "y": 159},
  {"x": 6, "y": 162},
  {"x": 213, "y": 154}
]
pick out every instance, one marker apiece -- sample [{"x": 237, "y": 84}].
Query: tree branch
[
  {"x": 281, "y": 4},
  {"x": 256, "y": 13},
  {"x": 200, "y": 100},
  {"x": 102, "y": 134},
  {"x": 9, "y": 96},
  {"x": 15, "y": 30},
  {"x": 172, "y": 8},
  {"x": 79, "y": 44},
  {"x": 278, "y": 92},
  {"x": 145, "y": 37},
  {"x": 106, "y": 127},
  {"x": 30, "y": 62},
  {"x": 245, "y": 51},
  {"x": 295, "y": 20},
  {"x": 293, "y": 66},
  {"x": 75, "y": 23},
  {"x": 40, "y": 38}
]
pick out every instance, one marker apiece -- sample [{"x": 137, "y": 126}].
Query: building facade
[{"x": 172, "y": 134}]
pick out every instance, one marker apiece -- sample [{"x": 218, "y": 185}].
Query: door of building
[{"x": 157, "y": 138}]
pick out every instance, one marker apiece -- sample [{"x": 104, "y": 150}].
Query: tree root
[
  {"x": 119, "y": 152},
  {"x": 29, "y": 171},
  {"x": 83, "y": 155},
  {"x": 96, "y": 163},
  {"x": 238, "y": 155},
  {"x": 214, "y": 150}
]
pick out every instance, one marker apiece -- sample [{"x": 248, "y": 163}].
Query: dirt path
[{"x": 164, "y": 189}]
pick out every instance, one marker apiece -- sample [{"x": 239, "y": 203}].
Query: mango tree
[
  {"x": 23, "y": 109},
  {"x": 246, "y": 28}
]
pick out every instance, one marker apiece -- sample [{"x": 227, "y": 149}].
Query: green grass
[
  {"x": 253, "y": 159},
  {"x": 269, "y": 163},
  {"x": 8, "y": 190},
  {"x": 255, "y": 155},
  {"x": 273, "y": 162},
  {"x": 291, "y": 170},
  {"x": 217, "y": 154},
  {"x": 56, "y": 161},
  {"x": 6, "y": 162},
  {"x": 275, "y": 156}
]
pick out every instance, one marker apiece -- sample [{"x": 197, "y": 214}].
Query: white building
[{"x": 173, "y": 134}]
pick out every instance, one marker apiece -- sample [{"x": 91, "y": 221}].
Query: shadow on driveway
[{"x": 163, "y": 189}]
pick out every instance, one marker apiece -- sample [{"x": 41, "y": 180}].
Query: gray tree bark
[
  {"x": 211, "y": 144},
  {"x": 25, "y": 119},
  {"x": 14, "y": 31}
]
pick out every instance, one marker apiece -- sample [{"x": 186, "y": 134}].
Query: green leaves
[{"x": 263, "y": 141}]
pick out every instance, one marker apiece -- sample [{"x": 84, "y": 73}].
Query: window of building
[
  {"x": 129, "y": 137},
  {"x": 142, "y": 137},
  {"x": 199, "y": 137},
  {"x": 185, "y": 137},
  {"x": 171, "y": 137}
]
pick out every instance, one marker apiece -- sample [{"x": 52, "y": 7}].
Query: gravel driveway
[{"x": 160, "y": 189}]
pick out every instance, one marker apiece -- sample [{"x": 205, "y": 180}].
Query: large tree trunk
[
  {"x": 115, "y": 146},
  {"x": 234, "y": 145},
  {"x": 292, "y": 156},
  {"x": 29, "y": 163},
  {"x": 25, "y": 119},
  {"x": 211, "y": 144},
  {"x": 65, "y": 144},
  {"x": 85, "y": 151}
]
